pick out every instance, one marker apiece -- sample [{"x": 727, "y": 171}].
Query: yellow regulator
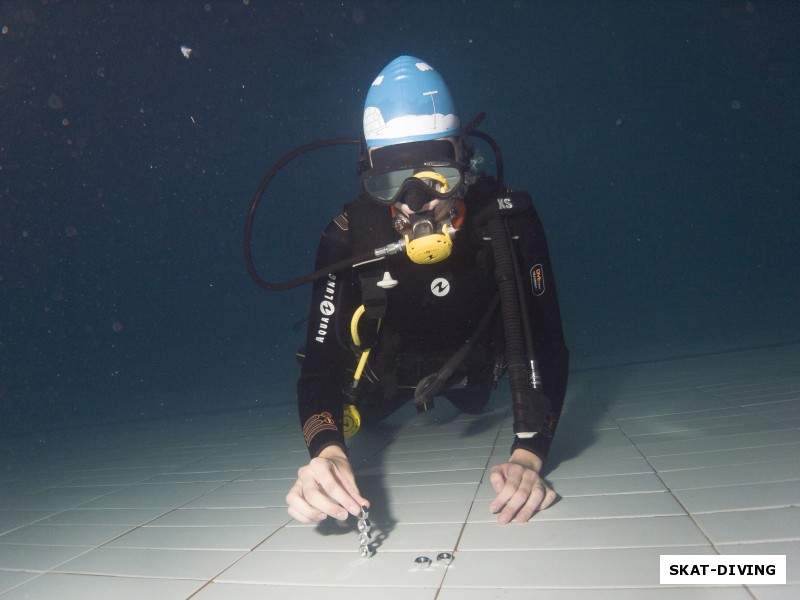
[
  {"x": 351, "y": 421},
  {"x": 431, "y": 248}
]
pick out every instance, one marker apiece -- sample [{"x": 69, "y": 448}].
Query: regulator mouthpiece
[
  {"x": 430, "y": 248},
  {"x": 422, "y": 227}
]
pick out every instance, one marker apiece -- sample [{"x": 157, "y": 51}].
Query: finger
[
  {"x": 299, "y": 508},
  {"x": 497, "y": 478},
  {"x": 320, "y": 500},
  {"x": 339, "y": 483},
  {"x": 514, "y": 475},
  {"x": 511, "y": 508},
  {"x": 549, "y": 497},
  {"x": 535, "y": 499},
  {"x": 338, "y": 475},
  {"x": 349, "y": 482},
  {"x": 520, "y": 497},
  {"x": 541, "y": 499},
  {"x": 334, "y": 485},
  {"x": 298, "y": 516}
]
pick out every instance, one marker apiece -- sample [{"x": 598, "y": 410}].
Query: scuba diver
[{"x": 452, "y": 288}]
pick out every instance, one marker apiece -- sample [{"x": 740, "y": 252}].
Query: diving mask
[
  {"x": 431, "y": 181},
  {"x": 431, "y": 168}
]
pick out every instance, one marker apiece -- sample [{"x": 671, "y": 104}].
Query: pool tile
[
  {"x": 334, "y": 569},
  {"x": 183, "y": 501},
  {"x": 771, "y": 524},
  {"x": 138, "y": 562},
  {"x": 738, "y": 497},
  {"x": 81, "y": 587},
  {"x": 557, "y": 568},
  {"x": 582, "y": 534},
  {"x": 229, "y": 537}
]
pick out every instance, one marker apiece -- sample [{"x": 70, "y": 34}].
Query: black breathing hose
[
  {"x": 433, "y": 383},
  {"x": 248, "y": 227},
  {"x": 526, "y": 321},
  {"x": 529, "y": 406},
  {"x": 469, "y": 130},
  {"x": 498, "y": 155}
]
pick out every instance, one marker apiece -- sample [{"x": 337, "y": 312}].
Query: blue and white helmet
[{"x": 408, "y": 102}]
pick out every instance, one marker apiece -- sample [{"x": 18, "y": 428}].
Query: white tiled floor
[{"x": 694, "y": 456}]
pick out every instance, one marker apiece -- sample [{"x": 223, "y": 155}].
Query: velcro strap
[{"x": 373, "y": 296}]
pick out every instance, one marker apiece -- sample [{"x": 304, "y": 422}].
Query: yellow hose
[
  {"x": 354, "y": 324},
  {"x": 362, "y": 362}
]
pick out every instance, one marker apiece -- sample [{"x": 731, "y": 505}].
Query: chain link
[{"x": 364, "y": 537}]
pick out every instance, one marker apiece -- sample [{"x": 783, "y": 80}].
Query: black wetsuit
[{"x": 432, "y": 311}]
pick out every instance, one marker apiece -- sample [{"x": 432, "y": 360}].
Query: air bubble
[{"x": 55, "y": 102}]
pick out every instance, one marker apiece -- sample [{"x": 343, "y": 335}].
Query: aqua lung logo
[
  {"x": 326, "y": 309},
  {"x": 440, "y": 287}
]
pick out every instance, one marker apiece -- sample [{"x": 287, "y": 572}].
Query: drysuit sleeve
[
  {"x": 328, "y": 359},
  {"x": 541, "y": 301}
]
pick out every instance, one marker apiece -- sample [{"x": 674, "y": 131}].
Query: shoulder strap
[
  {"x": 502, "y": 204},
  {"x": 370, "y": 225}
]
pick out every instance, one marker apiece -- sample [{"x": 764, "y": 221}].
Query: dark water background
[{"x": 659, "y": 140}]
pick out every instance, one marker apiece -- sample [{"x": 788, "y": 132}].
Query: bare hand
[
  {"x": 325, "y": 487},
  {"x": 520, "y": 490}
]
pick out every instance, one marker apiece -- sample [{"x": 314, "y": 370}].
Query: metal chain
[
  {"x": 366, "y": 550},
  {"x": 364, "y": 537}
]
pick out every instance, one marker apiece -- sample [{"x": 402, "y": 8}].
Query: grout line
[
  {"x": 664, "y": 483},
  {"x": 683, "y": 357},
  {"x": 750, "y": 592},
  {"x": 472, "y": 503},
  {"x": 371, "y": 453},
  {"x": 202, "y": 587}
]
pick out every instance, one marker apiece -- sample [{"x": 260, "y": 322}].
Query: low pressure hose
[
  {"x": 433, "y": 383},
  {"x": 251, "y": 214},
  {"x": 378, "y": 253}
]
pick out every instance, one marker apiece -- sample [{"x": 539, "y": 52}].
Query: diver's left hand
[{"x": 520, "y": 490}]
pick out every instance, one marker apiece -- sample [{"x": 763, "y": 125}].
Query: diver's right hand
[{"x": 325, "y": 487}]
